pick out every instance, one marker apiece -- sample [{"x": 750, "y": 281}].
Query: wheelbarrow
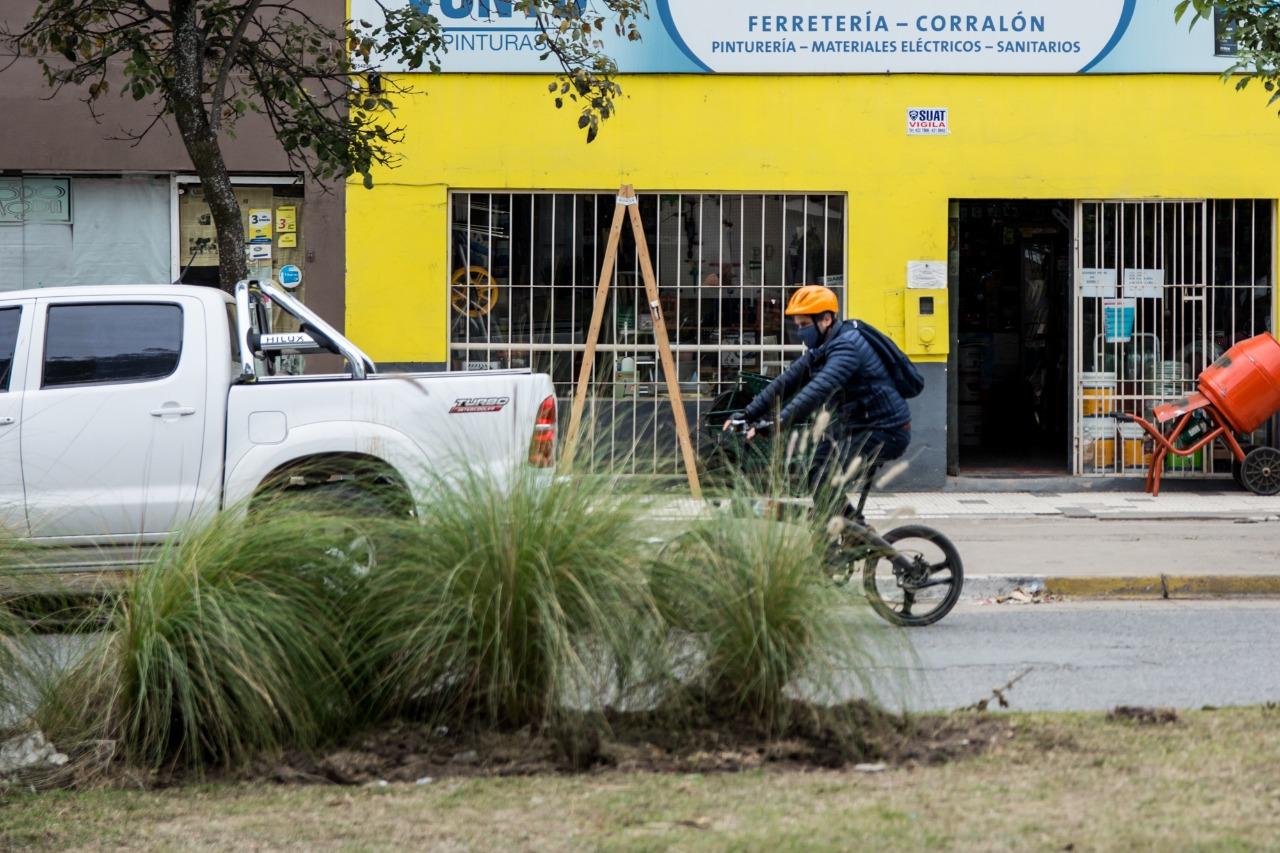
[{"x": 1235, "y": 395}]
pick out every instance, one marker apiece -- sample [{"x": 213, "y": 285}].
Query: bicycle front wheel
[{"x": 916, "y": 578}]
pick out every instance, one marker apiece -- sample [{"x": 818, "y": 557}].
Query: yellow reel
[{"x": 473, "y": 291}]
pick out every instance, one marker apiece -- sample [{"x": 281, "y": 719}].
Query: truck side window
[
  {"x": 88, "y": 344},
  {"x": 9, "y": 320}
]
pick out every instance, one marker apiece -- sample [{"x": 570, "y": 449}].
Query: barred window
[{"x": 523, "y": 276}]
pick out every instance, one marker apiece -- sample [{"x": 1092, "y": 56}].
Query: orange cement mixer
[{"x": 1237, "y": 393}]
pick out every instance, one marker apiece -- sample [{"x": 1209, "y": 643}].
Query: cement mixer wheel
[
  {"x": 1237, "y": 465},
  {"x": 1260, "y": 472}
]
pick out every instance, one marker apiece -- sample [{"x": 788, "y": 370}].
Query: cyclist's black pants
[{"x": 829, "y": 471}]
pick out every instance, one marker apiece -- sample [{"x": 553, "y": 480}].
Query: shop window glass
[
  {"x": 273, "y": 220},
  {"x": 84, "y": 230},
  {"x": 98, "y": 344}
]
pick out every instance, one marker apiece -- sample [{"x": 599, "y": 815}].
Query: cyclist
[{"x": 841, "y": 371}]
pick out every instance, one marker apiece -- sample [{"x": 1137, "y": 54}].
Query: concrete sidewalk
[
  {"x": 1233, "y": 504},
  {"x": 1110, "y": 544},
  {"x": 1096, "y": 544},
  {"x": 1117, "y": 556}
]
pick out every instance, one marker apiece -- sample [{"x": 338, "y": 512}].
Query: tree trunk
[{"x": 201, "y": 140}]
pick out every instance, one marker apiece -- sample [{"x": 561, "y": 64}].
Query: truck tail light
[{"x": 542, "y": 447}]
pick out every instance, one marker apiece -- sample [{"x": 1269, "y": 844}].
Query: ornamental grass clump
[
  {"x": 227, "y": 647},
  {"x": 760, "y": 624},
  {"x": 509, "y": 600},
  {"x": 750, "y": 599}
]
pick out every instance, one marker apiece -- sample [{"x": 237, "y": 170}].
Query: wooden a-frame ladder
[{"x": 628, "y": 204}]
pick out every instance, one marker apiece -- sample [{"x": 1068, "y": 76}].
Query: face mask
[{"x": 809, "y": 335}]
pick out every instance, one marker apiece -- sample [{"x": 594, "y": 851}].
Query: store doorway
[{"x": 1010, "y": 365}]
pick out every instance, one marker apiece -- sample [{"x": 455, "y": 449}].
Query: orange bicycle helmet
[{"x": 813, "y": 299}]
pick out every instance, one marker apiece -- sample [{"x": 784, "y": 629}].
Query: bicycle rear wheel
[{"x": 914, "y": 578}]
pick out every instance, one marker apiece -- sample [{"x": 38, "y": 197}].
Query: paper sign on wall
[
  {"x": 259, "y": 222},
  {"x": 926, "y": 275},
  {"x": 1098, "y": 283},
  {"x": 287, "y": 219},
  {"x": 259, "y": 251},
  {"x": 289, "y": 241},
  {"x": 1144, "y": 284}
]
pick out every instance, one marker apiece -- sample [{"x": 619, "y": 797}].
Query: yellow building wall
[{"x": 1166, "y": 136}]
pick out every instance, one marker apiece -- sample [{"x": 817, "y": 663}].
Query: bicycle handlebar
[{"x": 741, "y": 425}]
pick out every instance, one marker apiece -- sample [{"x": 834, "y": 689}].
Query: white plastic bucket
[
  {"x": 1133, "y": 440},
  {"x": 1097, "y": 393},
  {"x": 1099, "y": 435}
]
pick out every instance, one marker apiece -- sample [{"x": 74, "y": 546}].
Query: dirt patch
[
  {"x": 1143, "y": 716},
  {"x": 412, "y": 752},
  {"x": 406, "y": 752}
]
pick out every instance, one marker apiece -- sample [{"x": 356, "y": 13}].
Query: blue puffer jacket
[{"x": 844, "y": 374}]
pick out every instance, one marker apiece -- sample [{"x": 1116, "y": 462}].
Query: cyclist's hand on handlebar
[
  {"x": 737, "y": 423},
  {"x": 759, "y": 428}
]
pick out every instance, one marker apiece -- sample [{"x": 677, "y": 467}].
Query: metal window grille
[
  {"x": 523, "y": 275},
  {"x": 1162, "y": 289}
]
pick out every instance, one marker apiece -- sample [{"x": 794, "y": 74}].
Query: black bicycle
[{"x": 912, "y": 575}]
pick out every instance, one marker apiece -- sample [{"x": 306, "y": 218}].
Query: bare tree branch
[
  {"x": 134, "y": 138},
  {"x": 228, "y": 59}
]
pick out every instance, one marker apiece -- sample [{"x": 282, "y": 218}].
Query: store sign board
[
  {"x": 832, "y": 37},
  {"x": 1224, "y": 34},
  {"x": 1097, "y": 283}
]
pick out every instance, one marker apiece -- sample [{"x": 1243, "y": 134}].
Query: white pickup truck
[{"x": 127, "y": 411}]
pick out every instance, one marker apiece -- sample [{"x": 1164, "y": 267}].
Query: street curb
[
  {"x": 1167, "y": 586},
  {"x": 1135, "y": 587}
]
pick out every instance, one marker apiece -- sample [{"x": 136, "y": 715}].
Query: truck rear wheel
[{"x": 343, "y": 509}]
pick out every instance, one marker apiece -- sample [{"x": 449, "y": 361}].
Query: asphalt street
[
  {"x": 1096, "y": 655},
  {"x": 1077, "y": 656}
]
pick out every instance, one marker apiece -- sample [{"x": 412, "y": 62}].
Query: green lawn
[{"x": 1209, "y": 781}]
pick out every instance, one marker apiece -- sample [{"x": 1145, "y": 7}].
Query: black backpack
[{"x": 906, "y": 379}]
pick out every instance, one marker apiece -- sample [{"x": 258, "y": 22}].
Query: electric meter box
[{"x": 926, "y": 322}]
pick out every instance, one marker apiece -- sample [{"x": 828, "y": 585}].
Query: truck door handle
[
  {"x": 6, "y": 421},
  {"x": 170, "y": 411}
]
